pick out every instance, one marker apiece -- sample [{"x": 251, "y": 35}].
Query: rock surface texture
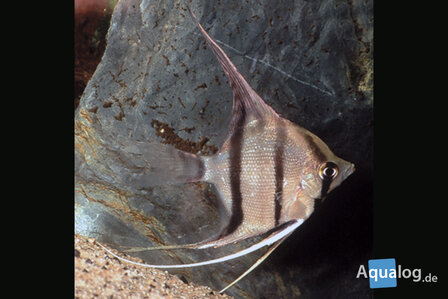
[{"x": 312, "y": 61}]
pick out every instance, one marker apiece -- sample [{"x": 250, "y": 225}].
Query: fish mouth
[
  {"x": 351, "y": 169},
  {"x": 346, "y": 168}
]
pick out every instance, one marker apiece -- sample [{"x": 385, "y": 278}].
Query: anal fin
[
  {"x": 273, "y": 238},
  {"x": 166, "y": 247}
]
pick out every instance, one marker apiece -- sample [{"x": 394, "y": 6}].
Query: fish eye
[{"x": 328, "y": 170}]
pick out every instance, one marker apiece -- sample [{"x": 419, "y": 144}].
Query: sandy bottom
[{"x": 100, "y": 275}]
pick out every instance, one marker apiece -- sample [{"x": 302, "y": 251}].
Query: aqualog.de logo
[{"x": 383, "y": 273}]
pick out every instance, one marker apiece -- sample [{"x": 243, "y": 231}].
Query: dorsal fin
[{"x": 245, "y": 100}]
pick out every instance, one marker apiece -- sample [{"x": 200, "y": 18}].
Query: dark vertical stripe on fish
[
  {"x": 278, "y": 169},
  {"x": 236, "y": 146},
  {"x": 316, "y": 150},
  {"x": 326, "y": 182}
]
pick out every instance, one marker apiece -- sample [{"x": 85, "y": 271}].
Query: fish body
[
  {"x": 269, "y": 172},
  {"x": 275, "y": 178}
]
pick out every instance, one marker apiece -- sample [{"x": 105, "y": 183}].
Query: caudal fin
[{"x": 152, "y": 164}]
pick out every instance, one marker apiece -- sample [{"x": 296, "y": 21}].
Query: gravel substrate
[{"x": 100, "y": 275}]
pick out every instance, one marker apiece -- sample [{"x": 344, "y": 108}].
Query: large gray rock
[{"x": 310, "y": 60}]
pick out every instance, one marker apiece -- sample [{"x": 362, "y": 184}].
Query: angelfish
[{"x": 269, "y": 172}]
